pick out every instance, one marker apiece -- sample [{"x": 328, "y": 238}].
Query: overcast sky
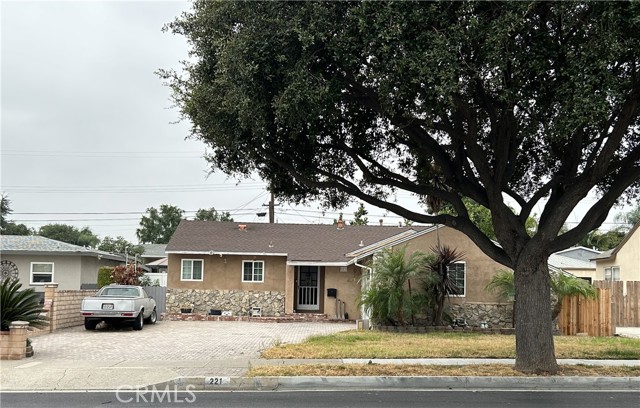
[{"x": 88, "y": 134}]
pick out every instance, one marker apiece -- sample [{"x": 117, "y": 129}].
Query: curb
[{"x": 401, "y": 383}]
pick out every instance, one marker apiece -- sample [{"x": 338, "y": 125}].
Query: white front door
[{"x": 308, "y": 288}]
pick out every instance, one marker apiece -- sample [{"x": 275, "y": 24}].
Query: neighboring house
[
  {"x": 621, "y": 263},
  {"x": 36, "y": 261},
  {"x": 576, "y": 262},
  {"x": 287, "y": 268},
  {"x": 155, "y": 257}
]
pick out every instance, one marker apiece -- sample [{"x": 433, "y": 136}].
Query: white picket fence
[{"x": 160, "y": 277}]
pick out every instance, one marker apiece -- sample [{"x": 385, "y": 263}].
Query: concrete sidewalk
[{"x": 228, "y": 374}]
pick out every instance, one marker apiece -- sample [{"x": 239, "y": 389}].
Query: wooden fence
[{"x": 599, "y": 317}]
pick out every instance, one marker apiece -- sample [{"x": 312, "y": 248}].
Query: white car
[{"x": 119, "y": 303}]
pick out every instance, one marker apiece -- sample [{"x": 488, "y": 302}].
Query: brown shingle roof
[{"x": 300, "y": 242}]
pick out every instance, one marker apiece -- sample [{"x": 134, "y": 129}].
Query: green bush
[
  {"x": 104, "y": 276},
  {"x": 22, "y": 305}
]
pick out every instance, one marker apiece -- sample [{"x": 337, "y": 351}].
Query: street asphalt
[{"x": 217, "y": 356}]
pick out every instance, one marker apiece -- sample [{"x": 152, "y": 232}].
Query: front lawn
[
  {"x": 374, "y": 344},
  {"x": 387, "y": 370}
]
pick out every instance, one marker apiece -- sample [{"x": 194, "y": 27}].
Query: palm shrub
[
  {"x": 562, "y": 285},
  {"x": 16, "y": 304},
  {"x": 387, "y": 296},
  {"x": 438, "y": 282}
]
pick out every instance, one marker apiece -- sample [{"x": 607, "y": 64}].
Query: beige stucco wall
[
  {"x": 627, "y": 258},
  {"x": 225, "y": 273},
  {"x": 348, "y": 286},
  {"x": 479, "y": 267},
  {"x": 68, "y": 271},
  {"x": 584, "y": 273}
]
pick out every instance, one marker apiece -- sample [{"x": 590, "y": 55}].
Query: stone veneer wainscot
[{"x": 239, "y": 302}]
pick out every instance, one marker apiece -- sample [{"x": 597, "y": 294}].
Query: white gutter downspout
[{"x": 363, "y": 311}]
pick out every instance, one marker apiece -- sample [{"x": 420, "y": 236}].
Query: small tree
[
  {"x": 16, "y": 304},
  {"x": 360, "y": 216},
  {"x": 127, "y": 275},
  {"x": 212, "y": 214},
  {"x": 387, "y": 297}
]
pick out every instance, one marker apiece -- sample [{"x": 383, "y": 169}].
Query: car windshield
[{"x": 123, "y": 292}]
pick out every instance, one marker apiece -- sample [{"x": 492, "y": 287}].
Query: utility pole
[{"x": 271, "y": 209}]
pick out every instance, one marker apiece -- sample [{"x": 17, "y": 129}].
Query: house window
[
  {"x": 612, "y": 273},
  {"x": 457, "y": 273},
  {"x": 253, "y": 271},
  {"x": 41, "y": 273},
  {"x": 192, "y": 269}
]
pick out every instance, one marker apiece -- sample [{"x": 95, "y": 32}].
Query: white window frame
[
  {"x": 464, "y": 279},
  {"x": 612, "y": 275},
  {"x": 31, "y": 282},
  {"x": 253, "y": 280},
  {"x": 182, "y": 278}
]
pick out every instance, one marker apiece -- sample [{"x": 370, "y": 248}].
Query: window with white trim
[
  {"x": 253, "y": 271},
  {"x": 458, "y": 273},
  {"x": 41, "y": 273},
  {"x": 612, "y": 273},
  {"x": 192, "y": 269}
]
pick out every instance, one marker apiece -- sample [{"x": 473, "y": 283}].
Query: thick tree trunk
[{"x": 534, "y": 335}]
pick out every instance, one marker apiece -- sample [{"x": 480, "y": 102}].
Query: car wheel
[
  {"x": 139, "y": 322},
  {"x": 153, "y": 318},
  {"x": 90, "y": 324}
]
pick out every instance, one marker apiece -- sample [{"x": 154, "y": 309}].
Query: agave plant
[
  {"x": 438, "y": 282},
  {"x": 16, "y": 304}
]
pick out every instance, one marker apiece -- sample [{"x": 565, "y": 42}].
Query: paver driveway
[{"x": 177, "y": 340}]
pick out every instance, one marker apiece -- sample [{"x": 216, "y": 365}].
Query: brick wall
[
  {"x": 66, "y": 308},
  {"x": 62, "y": 308}
]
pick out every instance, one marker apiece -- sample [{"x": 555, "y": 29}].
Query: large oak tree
[{"x": 528, "y": 103}]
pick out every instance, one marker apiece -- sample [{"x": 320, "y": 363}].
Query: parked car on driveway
[{"x": 119, "y": 303}]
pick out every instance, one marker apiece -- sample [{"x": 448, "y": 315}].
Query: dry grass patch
[
  {"x": 372, "y": 344},
  {"x": 392, "y": 370}
]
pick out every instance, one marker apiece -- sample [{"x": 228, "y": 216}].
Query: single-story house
[
  {"x": 621, "y": 263},
  {"x": 37, "y": 260},
  {"x": 288, "y": 268},
  {"x": 155, "y": 257},
  {"x": 576, "y": 261}
]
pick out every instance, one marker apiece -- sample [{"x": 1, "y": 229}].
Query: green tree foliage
[
  {"x": 438, "y": 282},
  {"x": 8, "y": 227},
  {"x": 629, "y": 218},
  {"x": 360, "y": 216},
  {"x": 119, "y": 245},
  {"x": 212, "y": 215},
  {"x": 157, "y": 226},
  {"x": 603, "y": 241},
  {"x": 530, "y": 101},
  {"x": 387, "y": 297},
  {"x": 70, "y": 234},
  {"x": 17, "y": 304}
]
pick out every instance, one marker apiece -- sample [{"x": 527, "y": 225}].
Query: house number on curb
[{"x": 217, "y": 380}]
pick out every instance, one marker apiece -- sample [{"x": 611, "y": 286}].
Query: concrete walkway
[{"x": 102, "y": 375}]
